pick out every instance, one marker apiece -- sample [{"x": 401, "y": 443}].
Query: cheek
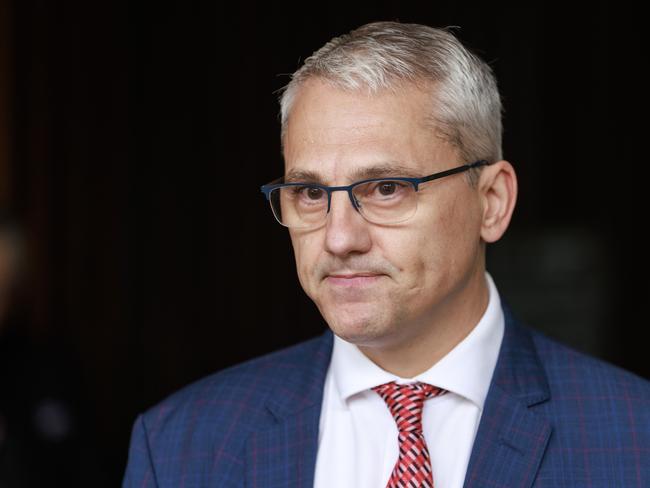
[
  {"x": 435, "y": 246},
  {"x": 429, "y": 253},
  {"x": 305, "y": 248},
  {"x": 414, "y": 250},
  {"x": 458, "y": 234}
]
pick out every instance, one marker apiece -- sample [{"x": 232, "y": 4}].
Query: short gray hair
[{"x": 384, "y": 55}]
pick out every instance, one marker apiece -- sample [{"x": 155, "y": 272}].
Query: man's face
[{"x": 381, "y": 286}]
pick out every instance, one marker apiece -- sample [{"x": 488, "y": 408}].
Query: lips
[
  {"x": 353, "y": 279},
  {"x": 352, "y": 275}
]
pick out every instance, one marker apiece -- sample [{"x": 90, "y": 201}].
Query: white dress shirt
[{"x": 358, "y": 444}]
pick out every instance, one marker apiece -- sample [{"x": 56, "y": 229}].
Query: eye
[
  {"x": 308, "y": 193},
  {"x": 313, "y": 193},
  {"x": 386, "y": 188}
]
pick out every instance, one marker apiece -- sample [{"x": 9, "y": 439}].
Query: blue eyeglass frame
[{"x": 268, "y": 188}]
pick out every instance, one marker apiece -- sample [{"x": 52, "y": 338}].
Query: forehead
[{"x": 337, "y": 133}]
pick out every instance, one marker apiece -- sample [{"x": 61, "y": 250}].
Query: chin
[
  {"x": 357, "y": 322},
  {"x": 362, "y": 330}
]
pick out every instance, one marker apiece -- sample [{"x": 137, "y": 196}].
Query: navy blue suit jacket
[{"x": 553, "y": 417}]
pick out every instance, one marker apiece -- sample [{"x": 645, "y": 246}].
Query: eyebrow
[{"x": 377, "y": 171}]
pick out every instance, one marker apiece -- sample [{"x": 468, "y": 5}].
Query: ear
[{"x": 498, "y": 193}]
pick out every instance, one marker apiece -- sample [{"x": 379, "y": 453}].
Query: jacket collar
[
  {"x": 282, "y": 450},
  {"x": 512, "y": 438}
]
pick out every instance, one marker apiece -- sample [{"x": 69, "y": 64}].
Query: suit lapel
[
  {"x": 282, "y": 451},
  {"x": 511, "y": 438},
  {"x": 285, "y": 454}
]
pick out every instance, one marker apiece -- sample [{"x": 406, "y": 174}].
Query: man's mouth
[{"x": 357, "y": 279}]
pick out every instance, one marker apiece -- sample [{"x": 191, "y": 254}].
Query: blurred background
[{"x": 137, "y": 253}]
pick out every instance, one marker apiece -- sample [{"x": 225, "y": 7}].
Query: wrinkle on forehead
[
  {"x": 364, "y": 172},
  {"x": 318, "y": 102},
  {"x": 337, "y": 134}
]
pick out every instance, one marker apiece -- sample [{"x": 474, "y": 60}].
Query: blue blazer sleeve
[{"x": 139, "y": 470}]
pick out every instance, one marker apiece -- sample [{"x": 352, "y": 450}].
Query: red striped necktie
[{"x": 405, "y": 402}]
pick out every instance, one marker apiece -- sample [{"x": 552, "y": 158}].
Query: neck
[{"x": 444, "y": 329}]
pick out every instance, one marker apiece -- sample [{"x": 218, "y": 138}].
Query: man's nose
[{"x": 346, "y": 230}]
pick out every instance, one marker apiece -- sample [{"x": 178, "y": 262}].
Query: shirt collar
[{"x": 466, "y": 370}]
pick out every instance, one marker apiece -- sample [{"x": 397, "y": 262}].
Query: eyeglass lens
[{"x": 381, "y": 202}]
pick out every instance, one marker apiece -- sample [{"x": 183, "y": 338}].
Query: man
[{"x": 394, "y": 183}]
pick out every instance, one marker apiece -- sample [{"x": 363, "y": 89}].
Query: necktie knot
[{"x": 405, "y": 402}]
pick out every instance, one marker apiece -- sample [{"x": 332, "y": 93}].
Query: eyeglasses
[{"x": 379, "y": 200}]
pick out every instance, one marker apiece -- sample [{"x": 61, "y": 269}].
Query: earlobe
[{"x": 498, "y": 189}]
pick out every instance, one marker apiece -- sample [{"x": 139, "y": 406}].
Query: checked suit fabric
[{"x": 405, "y": 402}]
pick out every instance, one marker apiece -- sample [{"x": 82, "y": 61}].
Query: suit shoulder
[
  {"x": 239, "y": 389},
  {"x": 570, "y": 368}
]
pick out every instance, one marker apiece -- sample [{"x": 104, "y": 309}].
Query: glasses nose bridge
[{"x": 348, "y": 190}]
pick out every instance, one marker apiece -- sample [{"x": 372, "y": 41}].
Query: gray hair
[{"x": 384, "y": 55}]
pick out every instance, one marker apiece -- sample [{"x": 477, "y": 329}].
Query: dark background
[{"x": 134, "y": 139}]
